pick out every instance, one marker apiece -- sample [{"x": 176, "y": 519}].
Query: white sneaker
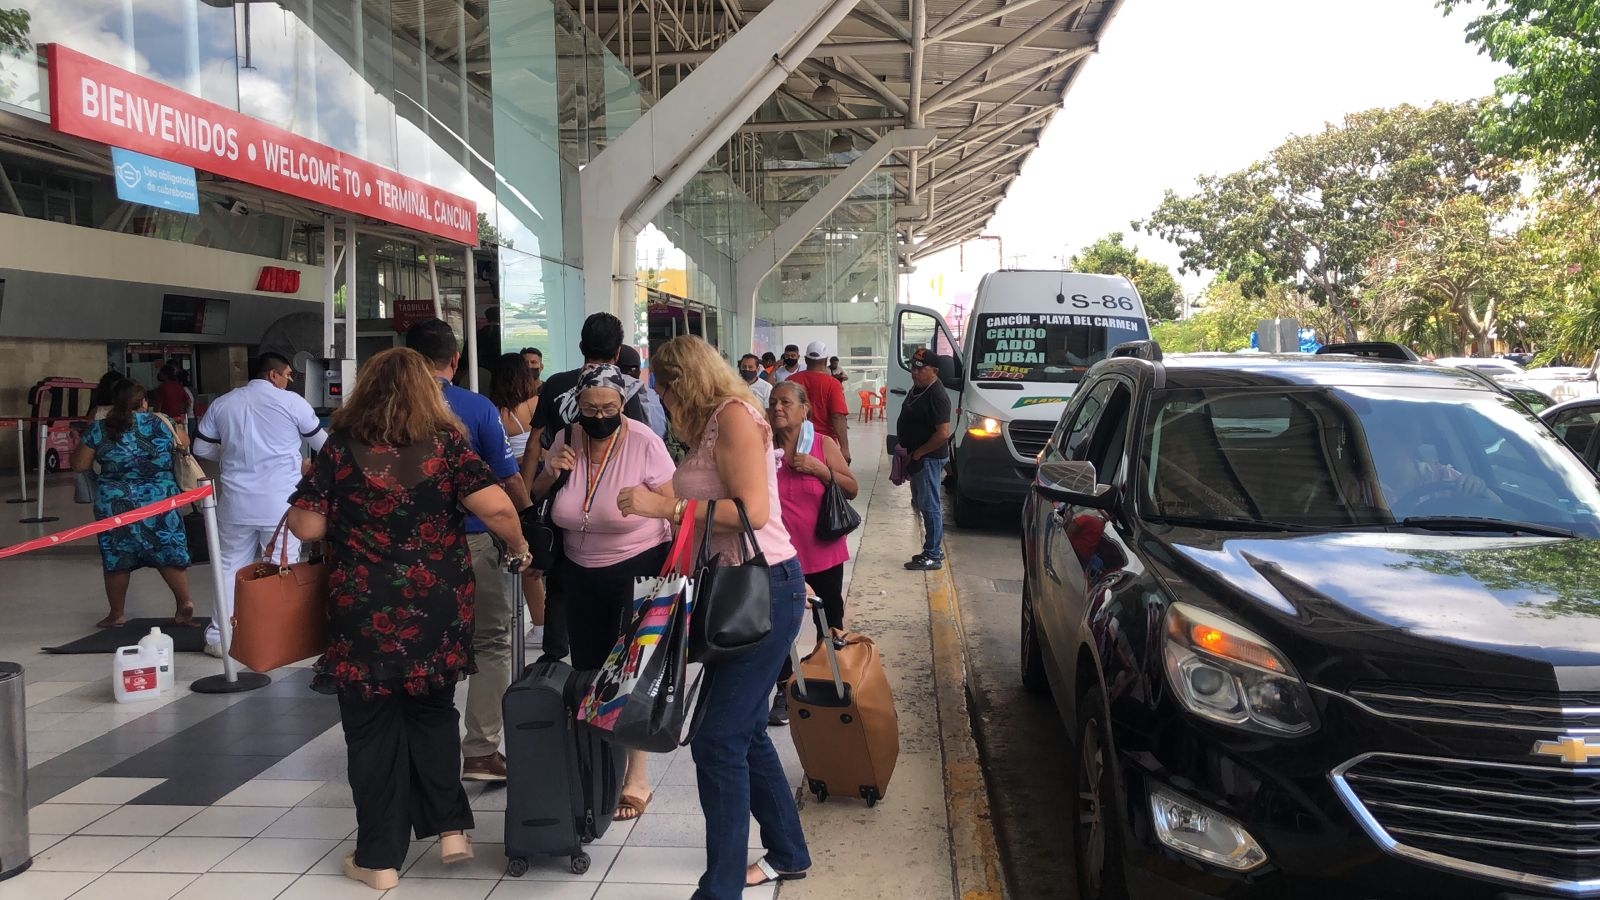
[
  {"x": 534, "y": 639},
  {"x": 214, "y": 650}
]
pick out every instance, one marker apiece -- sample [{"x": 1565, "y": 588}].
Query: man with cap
[
  {"x": 829, "y": 413},
  {"x": 788, "y": 365},
  {"x": 923, "y": 429}
]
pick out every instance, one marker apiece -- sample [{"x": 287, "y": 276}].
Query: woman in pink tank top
[
  {"x": 810, "y": 461},
  {"x": 738, "y": 770}
]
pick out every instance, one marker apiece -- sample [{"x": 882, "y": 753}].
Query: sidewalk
[{"x": 190, "y": 797}]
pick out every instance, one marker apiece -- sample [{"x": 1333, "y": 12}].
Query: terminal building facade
[{"x": 301, "y": 236}]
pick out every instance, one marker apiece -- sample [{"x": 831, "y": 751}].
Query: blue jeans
[
  {"x": 738, "y": 769},
  {"x": 925, "y": 500}
]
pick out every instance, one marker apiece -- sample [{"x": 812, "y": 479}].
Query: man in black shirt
[
  {"x": 600, "y": 342},
  {"x": 923, "y": 430}
]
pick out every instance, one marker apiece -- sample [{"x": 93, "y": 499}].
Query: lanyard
[{"x": 594, "y": 478}]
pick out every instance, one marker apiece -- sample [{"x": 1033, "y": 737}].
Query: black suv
[{"x": 1321, "y": 627}]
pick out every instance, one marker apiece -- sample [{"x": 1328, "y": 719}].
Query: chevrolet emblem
[{"x": 1569, "y": 749}]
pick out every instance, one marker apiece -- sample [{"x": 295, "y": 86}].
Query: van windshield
[{"x": 1051, "y": 347}]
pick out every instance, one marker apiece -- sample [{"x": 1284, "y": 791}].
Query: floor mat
[{"x": 186, "y": 639}]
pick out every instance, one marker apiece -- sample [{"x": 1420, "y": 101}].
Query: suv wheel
[
  {"x": 1096, "y": 824},
  {"x": 1034, "y": 679}
]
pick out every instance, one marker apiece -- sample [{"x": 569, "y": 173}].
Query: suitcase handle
[{"x": 832, "y": 642}]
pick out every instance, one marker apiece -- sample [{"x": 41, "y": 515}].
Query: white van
[{"x": 1028, "y": 340}]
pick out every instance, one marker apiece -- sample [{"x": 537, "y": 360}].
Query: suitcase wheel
[
  {"x": 819, "y": 789},
  {"x": 871, "y": 795},
  {"x": 516, "y": 867},
  {"x": 580, "y": 864}
]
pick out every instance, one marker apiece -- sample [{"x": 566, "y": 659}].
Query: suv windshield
[
  {"x": 1055, "y": 347},
  {"x": 1331, "y": 457}
]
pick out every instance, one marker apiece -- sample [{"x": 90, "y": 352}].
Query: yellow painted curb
[{"x": 974, "y": 852}]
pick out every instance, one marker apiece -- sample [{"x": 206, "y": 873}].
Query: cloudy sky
[{"x": 1182, "y": 88}]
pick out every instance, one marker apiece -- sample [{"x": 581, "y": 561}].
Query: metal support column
[
  {"x": 763, "y": 258},
  {"x": 330, "y": 266},
  {"x": 349, "y": 289},
  {"x": 469, "y": 322},
  {"x": 650, "y": 162}
]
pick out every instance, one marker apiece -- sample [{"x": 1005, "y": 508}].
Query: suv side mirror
[
  {"x": 950, "y": 373},
  {"x": 1074, "y": 482}
]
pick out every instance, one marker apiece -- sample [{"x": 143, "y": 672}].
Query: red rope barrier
[{"x": 127, "y": 518}]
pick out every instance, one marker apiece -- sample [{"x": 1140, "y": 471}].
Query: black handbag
[
  {"x": 837, "y": 517},
  {"x": 732, "y": 604},
  {"x": 539, "y": 524}
]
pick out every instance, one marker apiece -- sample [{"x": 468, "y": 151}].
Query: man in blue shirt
[{"x": 491, "y": 635}]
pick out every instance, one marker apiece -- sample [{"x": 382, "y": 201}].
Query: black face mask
[
  {"x": 600, "y": 428},
  {"x": 537, "y": 374},
  {"x": 747, "y": 375},
  {"x": 791, "y": 361}
]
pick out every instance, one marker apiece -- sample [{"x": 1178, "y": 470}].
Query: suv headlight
[
  {"x": 1224, "y": 672},
  {"x": 982, "y": 426}
]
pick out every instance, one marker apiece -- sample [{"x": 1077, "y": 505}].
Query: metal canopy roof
[{"x": 989, "y": 75}]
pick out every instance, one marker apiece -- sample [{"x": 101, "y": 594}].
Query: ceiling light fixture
[{"x": 825, "y": 95}]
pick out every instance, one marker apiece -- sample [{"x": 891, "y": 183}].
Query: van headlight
[
  {"x": 982, "y": 426},
  {"x": 1224, "y": 672}
]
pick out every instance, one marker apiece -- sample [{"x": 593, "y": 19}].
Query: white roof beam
[
  {"x": 1051, "y": 66},
  {"x": 1020, "y": 42},
  {"x": 978, "y": 162},
  {"x": 1027, "y": 121},
  {"x": 951, "y": 25}
]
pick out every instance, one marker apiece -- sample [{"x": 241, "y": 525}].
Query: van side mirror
[
  {"x": 1073, "y": 482},
  {"x": 950, "y": 373}
]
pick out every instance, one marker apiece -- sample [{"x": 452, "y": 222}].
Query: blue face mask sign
[{"x": 154, "y": 182}]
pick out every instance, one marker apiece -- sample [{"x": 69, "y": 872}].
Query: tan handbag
[
  {"x": 280, "y": 609},
  {"x": 184, "y": 468}
]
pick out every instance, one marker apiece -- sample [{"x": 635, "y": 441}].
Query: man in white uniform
[{"x": 256, "y": 433}]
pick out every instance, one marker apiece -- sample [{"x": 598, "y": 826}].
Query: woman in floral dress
[
  {"x": 134, "y": 449},
  {"x": 390, "y": 492}
]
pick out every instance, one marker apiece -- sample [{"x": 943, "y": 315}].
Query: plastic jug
[
  {"x": 135, "y": 674},
  {"x": 160, "y": 642}
]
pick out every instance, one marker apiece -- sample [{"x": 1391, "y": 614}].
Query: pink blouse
[
  {"x": 697, "y": 478},
  {"x": 610, "y": 537},
  {"x": 802, "y": 503}
]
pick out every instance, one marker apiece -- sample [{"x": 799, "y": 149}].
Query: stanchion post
[
  {"x": 231, "y": 681},
  {"x": 22, "y": 464},
  {"x": 39, "y": 516}
]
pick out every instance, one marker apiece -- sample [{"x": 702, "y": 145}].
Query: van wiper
[
  {"x": 1233, "y": 523},
  {"x": 1484, "y": 523}
]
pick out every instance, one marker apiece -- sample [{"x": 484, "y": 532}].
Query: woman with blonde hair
[
  {"x": 732, "y": 458},
  {"x": 390, "y": 492}
]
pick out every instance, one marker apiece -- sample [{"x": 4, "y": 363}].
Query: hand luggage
[
  {"x": 841, "y": 715},
  {"x": 562, "y": 780}
]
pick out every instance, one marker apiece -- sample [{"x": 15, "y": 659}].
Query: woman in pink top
[
  {"x": 738, "y": 770},
  {"x": 605, "y": 550},
  {"x": 810, "y": 461}
]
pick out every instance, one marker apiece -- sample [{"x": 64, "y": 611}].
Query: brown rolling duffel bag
[{"x": 841, "y": 716}]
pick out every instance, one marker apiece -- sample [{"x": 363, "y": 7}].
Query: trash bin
[{"x": 14, "y": 856}]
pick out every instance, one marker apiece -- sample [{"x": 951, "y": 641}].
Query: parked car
[
  {"x": 1489, "y": 365},
  {"x": 1322, "y": 628},
  {"x": 1533, "y": 398},
  {"x": 1575, "y": 422}
]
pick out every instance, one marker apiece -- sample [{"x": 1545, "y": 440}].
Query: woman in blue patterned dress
[{"x": 133, "y": 448}]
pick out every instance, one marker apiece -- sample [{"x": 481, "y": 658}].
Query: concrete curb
[{"x": 974, "y": 851}]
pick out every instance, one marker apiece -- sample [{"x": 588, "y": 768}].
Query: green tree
[
  {"x": 16, "y": 41},
  {"x": 489, "y": 236},
  {"x": 1547, "y": 102},
  {"x": 1223, "y": 320},
  {"x": 1314, "y": 211},
  {"x": 1563, "y": 240},
  {"x": 1162, "y": 296}
]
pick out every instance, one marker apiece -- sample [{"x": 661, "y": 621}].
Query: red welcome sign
[{"x": 101, "y": 102}]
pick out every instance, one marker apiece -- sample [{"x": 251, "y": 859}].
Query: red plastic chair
[{"x": 870, "y": 403}]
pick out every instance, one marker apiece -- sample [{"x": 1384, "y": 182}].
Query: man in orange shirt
[{"x": 829, "y": 413}]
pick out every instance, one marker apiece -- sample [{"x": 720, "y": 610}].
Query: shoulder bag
[
  {"x": 280, "y": 609},
  {"x": 836, "y": 518},
  {"x": 539, "y": 524},
  {"x": 733, "y": 604},
  {"x": 187, "y": 472}
]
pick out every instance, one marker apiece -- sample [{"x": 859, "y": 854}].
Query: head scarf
[{"x": 605, "y": 376}]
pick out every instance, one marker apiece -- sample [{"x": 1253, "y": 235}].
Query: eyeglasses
[
  {"x": 918, "y": 365},
  {"x": 600, "y": 412}
]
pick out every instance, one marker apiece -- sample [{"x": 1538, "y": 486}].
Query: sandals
[
  {"x": 377, "y": 879},
  {"x": 769, "y": 874},
  {"x": 455, "y": 848},
  {"x": 631, "y": 806},
  {"x": 112, "y": 622}
]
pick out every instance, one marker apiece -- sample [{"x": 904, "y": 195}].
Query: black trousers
[
  {"x": 829, "y": 587},
  {"x": 556, "y": 640},
  {"x": 597, "y": 614},
  {"x": 405, "y": 771}
]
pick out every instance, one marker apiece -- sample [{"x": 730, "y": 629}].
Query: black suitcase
[{"x": 563, "y": 779}]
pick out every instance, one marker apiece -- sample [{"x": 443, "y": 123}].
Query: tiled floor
[{"x": 244, "y": 796}]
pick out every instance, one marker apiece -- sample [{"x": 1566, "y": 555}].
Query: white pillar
[
  {"x": 650, "y": 162},
  {"x": 470, "y": 325},
  {"x": 330, "y": 264},
  {"x": 755, "y": 266},
  {"x": 350, "y": 289}
]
